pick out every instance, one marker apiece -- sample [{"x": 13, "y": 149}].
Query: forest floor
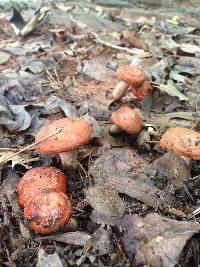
[{"x": 135, "y": 204}]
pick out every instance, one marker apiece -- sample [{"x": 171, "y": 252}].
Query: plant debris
[{"x": 156, "y": 240}]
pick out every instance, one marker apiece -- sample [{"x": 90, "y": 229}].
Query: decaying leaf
[
  {"x": 108, "y": 207},
  {"x": 26, "y": 28},
  {"x": 117, "y": 160},
  {"x": 100, "y": 243},
  {"x": 168, "y": 169},
  {"x": 172, "y": 119},
  {"x": 8, "y": 188},
  {"x": 190, "y": 48},
  {"x": 55, "y": 104},
  {"x": 156, "y": 240},
  {"x": 142, "y": 189},
  {"x": 98, "y": 70},
  {"x": 48, "y": 260},
  {"x": 4, "y": 57},
  {"x": 22, "y": 159},
  {"x": 171, "y": 89},
  {"x": 96, "y": 130},
  {"x": 15, "y": 117},
  {"x": 178, "y": 77},
  {"x": 77, "y": 238}
]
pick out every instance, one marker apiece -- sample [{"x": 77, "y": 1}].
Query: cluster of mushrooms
[{"x": 42, "y": 190}]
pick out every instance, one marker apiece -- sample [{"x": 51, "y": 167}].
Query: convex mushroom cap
[
  {"x": 74, "y": 132},
  {"x": 127, "y": 119},
  {"x": 48, "y": 211},
  {"x": 40, "y": 179},
  {"x": 183, "y": 141},
  {"x": 131, "y": 75}
]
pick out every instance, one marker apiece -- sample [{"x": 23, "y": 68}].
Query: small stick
[
  {"x": 152, "y": 141},
  {"x": 8, "y": 149},
  {"x": 132, "y": 51},
  {"x": 32, "y": 145}
]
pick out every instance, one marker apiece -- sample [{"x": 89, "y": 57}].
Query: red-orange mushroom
[
  {"x": 47, "y": 212},
  {"x": 184, "y": 142},
  {"x": 135, "y": 77},
  {"x": 73, "y": 133},
  {"x": 40, "y": 179},
  {"x": 126, "y": 119},
  {"x": 130, "y": 74}
]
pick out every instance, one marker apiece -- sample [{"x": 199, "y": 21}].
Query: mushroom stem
[
  {"x": 114, "y": 129},
  {"x": 120, "y": 90},
  {"x": 69, "y": 160}
]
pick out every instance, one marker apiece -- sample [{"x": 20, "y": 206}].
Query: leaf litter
[{"x": 134, "y": 205}]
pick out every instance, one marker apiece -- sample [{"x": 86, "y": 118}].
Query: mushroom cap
[
  {"x": 132, "y": 75},
  {"x": 40, "y": 179},
  {"x": 127, "y": 119},
  {"x": 141, "y": 91},
  {"x": 183, "y": 141},
  {"x": 47, "y": 212},
  {"x": 74, "y": 132}
]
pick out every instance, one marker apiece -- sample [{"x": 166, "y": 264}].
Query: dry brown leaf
[{"x": 22, "y": 159}]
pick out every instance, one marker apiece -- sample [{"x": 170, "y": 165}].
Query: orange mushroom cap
[
  {"x": 48, "y": 212},
  {"x": 131, "y": 75},
  {"x": 74, "y": 132},
  {"x": 38, "y": 180},
  {"x": 183, "y": 141},
  {"x": 127, "y": 119}
]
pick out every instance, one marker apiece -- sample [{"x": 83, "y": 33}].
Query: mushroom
[
  {"x": 126, "y": 119},
  {"x": 47, "y": 212},
  {"x": 133, "y": 76},
  {"x": 37, "y": 180},
  {"x": 184, "y": 142},
  {"x": 74, "y": 132}
]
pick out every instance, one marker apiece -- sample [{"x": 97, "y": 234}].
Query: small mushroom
[
  {"x": 147, "y": 136},
  {"x": 184, "y": 142},
  {"x": 47, "y": 212},
  {"x": 74, "y": 133},
  {"x": 133, "y": 76},
  {"x": 40, "y": 179},
  {"x": 126, "y": 119}
]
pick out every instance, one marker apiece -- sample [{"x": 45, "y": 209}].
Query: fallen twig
[
  {"x": 32, "y": 145},
  {"x": 133, "y": 51}
]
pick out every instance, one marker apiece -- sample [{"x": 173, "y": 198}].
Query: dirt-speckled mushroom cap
[
  {"x": 74, "y": 132},
  {"x": 38, "y": 180},
  {"x": 131, "y": 75},
  {"x": 127, "y": 119},
  {"x": 47, "y": 212},
  {"x": 183, "y": 141}
]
